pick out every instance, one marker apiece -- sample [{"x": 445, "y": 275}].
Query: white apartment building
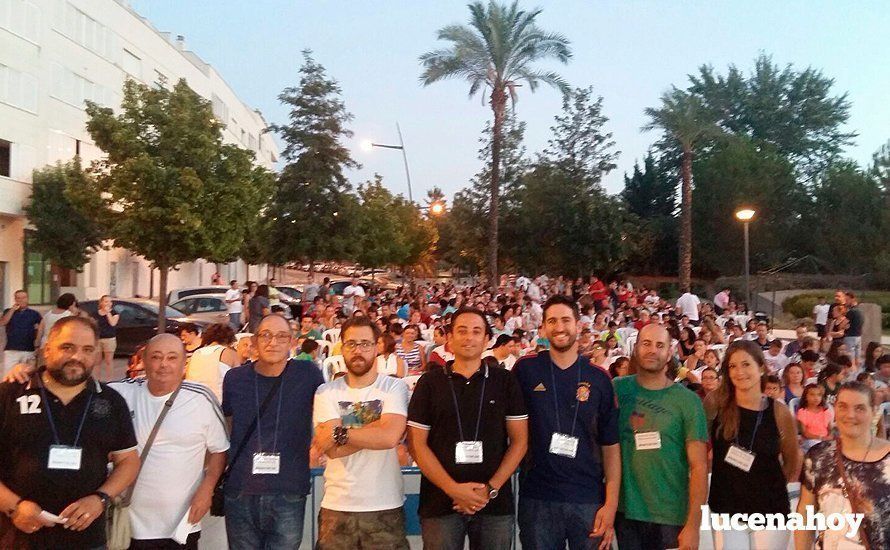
[{"x": 54, "y": 55}]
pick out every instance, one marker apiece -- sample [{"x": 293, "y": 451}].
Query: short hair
[
  {"x": 771, "y": 379},
  {"x": 20, "y": 291},
  {"x": 360, "y": 321},
  {"x": 559, "y": 299},
  {"x": 809, "y": 356},
  {"x": 73, "y": 319},
  {"x": 188, "y": 327},
  {"x": 859, "y": 387},
  {"x": 218, "y": 333},
  {"x": 776, "y": 344},
  {"x": 308, "y": 346},
  {"x": 882, "y": 360},
  {"x": 233, "y": 281},
  {"x": 66, "y": 300},
  {"x": 463, "y": 310}
]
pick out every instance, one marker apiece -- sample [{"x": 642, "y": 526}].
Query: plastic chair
[
  {"x": 324, "y": 348},
  {"x": 793, "y": 404},
  {"x": 331, "y": 335},
  {"x": 630, "y": 344},
  {"x": 331, "y": 366}
]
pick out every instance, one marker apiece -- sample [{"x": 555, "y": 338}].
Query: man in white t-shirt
[
  {"x": 359, "y": 421},
  {"x": 688, "y": 305},
  {"x": 820, "y": 315},
  {"x": 173, "y": 491},
  {"x": 234, "y": 305},
  {"x": 349, "y": 295}
]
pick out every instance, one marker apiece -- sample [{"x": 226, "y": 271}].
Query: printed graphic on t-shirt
[{"x": 360, "y": 413}]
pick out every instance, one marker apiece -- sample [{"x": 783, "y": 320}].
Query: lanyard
[
  {"x": 460, "y": 427},
  {"x": 259, "y": 430},
  {"x": 52, "y": 423},
  {"x": 556, "y": 400},
  {"x": 756, "y": 425}
]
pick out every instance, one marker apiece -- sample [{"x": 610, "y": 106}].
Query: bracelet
[
  {"x": 104, "y": 497},
  {"x": 341, "y": 435}
]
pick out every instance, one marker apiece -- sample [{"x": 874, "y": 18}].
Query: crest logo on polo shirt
[
  {"x": 540, "y": 387},
  {"x": 583, "y": 393},
  {"x": 100, "y": 408}
]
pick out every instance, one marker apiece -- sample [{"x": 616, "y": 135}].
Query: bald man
[
  {"x": 268, "y": 476},
  {"x": 664, "y": 468},
  {"x": 173, "y": 487}
]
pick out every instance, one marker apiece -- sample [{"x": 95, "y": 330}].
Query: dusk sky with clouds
[{"x": 629, "y": 51}]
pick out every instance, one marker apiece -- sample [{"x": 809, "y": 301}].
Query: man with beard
[
  {"x": 468, "y": 432},
  {"x": 574, "y": 441},
  {"x": 59, "y": 431},
  {"x": 664, "y": 462},
  {"x": 359, "y": 421}
]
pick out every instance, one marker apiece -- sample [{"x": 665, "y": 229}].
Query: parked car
[
  {"x": 180, "y": 293},
  {"x": 209, "y": 307},
  {"x": 139, "y": 321}
]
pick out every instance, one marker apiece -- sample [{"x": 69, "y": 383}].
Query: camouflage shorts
[{"x": 382, "y": 530}]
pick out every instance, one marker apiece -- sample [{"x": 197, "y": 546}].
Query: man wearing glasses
[
  {"x": 268, "y": 406},
  {"x": 359, "y": 420}
]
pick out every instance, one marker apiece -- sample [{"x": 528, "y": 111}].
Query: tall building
[{"x": 55, "y": 55}]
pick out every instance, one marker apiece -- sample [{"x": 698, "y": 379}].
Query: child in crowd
[{"x": 814, "y": 416}]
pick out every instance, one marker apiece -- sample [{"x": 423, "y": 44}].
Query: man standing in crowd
[
  {"x": 761, "y": 332},
  {"x": 268, "y": 404},
  {"x": 574, "y": 442},
  {"x": 853, "y": 334},
  {"x": 21, "y": 324},
  {"x": 688, "y": 305},
  {"x": 310, "y": 289},
  {"x": 721, "y": 300},
  {"x": 820, "y": 315},
  {"x": 107, "y": 320},
  {"x": 360, "y": 420},
  {"x": 664, "y": 469},
  {"x": 307, "y": 330},
  {"x": 796, "y": 346},
  {"x": 350, "y": 294},
  {"x": 58, "y": 433},
  {"x": 173, "y": 486},
  {"x": 468, "y": 432},
  {"x": 234, "y": 305}
]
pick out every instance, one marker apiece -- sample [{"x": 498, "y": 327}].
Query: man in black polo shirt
[
  {"x": 468, "y": 432},
  {"x": 58, "y": 432}
]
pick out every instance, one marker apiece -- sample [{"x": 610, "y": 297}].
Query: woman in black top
[{"x": 755, "y": 449}]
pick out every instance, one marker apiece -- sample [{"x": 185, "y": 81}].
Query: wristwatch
[
  {"x": 492, "y": 492},
  {"x": 341, "y": 435},
  {"x": 104, "y": 497}
]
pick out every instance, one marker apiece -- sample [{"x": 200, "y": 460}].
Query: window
[
  {"x": 220, "y": 109},
  {"x": 251, "y": 142},
  {"x": 74, "y": 89},
  {"x": 5, "y": 158},
  {"x": 21, "y": 18},
  {"x": 160, "y": 79},
  {"x": 89, "y": 33},
  {"x": 18, "y": 89},
  {"x": 132, "y": 64},
  {"x": 131, "y": 316}
]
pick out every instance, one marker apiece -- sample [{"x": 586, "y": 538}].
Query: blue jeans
[
  {"x": 546, "y": 525},
  {"x": 643, "y": 535},
  {"x": 235, "y": 321},
  {"x": 854, "y": 344},
  {"x": 265, "y": 522},
  {"x": 449, "y": 532}
]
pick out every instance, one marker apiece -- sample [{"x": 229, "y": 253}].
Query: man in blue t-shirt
[
  {"x": 269, "y": 478},
  {"x": 21, "y": 330},
  {"x": 569, "y": 493}
]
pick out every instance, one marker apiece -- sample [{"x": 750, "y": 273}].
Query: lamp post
[
  {"x": 368, "y": 145},
  {"x": 745, "y": 215}
]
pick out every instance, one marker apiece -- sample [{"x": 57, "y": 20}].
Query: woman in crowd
[
  {"x": 849, "y": 474},
  {"x": 792, "y": 379},
  {"x": 411, "y": 352},
  {"x": 872, "y": 352},
  {"x": 754, "y": 445},
  {"x": 712, "y": 359},
  {"x": 716, "y": 332},
  {"x": 710, "y": 381},
  {"x": 210, "y": 363},
  {"x": 830, "y": 378},
  {"x": 66, "y": 306},
  {"x": 619, "y": 367},
  {"x": 258, "y": 307},
  {"x": 687, "y": 343},
  {"x": 814, "y": 416},
  {"x": 388, "y": 361}
]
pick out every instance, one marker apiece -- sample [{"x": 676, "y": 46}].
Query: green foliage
[
  {"x": 64, "y": 234},
  {"x": 313, "y": 214},
  {"x": 650, "y": 196},
  {"x": 801, "y": 305}
]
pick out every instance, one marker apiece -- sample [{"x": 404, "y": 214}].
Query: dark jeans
[
  {"x": 546, "y": 525},
  {"x": 486, "y": 532},
  {"x": 191, "y": 543},
  {"x": 265, "y": 522},
  {"x": 642, "y": 535}
]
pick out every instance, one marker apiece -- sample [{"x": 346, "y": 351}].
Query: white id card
[
  {"x": 564, "y": 445},
  {"x": 646, "y": 441},
  {"x": 63, "y": 457},
  {"x": 468, "y": 452},
  {"x": 266, "y": 463},
  {"x": 740, "y": 458}
]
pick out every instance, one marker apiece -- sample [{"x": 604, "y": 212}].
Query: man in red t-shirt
[{"x": 597, "y": 290}]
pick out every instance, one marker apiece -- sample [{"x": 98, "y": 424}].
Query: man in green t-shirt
[{"x": 664, "y": 468}]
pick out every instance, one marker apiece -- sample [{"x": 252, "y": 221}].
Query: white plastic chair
[
  {"x": 331, "y": 366},
  {"x": 427, "y": 334},
  {"x": 626, "y": 332},
  {"x": 331, "y": 335},
  {"x": 324, "y": 349},
  {"x": 630, "y": 344},
  {"x": 241, "y": 335},
  {"x": 720, "y": 349},
  {"x": 793, "y": 404}
]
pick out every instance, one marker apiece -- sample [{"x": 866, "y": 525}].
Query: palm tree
[
  {"x": 685, "y": 121},
  {"x": 496, "y": 52}
]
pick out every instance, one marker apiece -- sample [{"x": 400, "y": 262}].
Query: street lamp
[
  {"x": 745, "y": 215},
  {"x": 437, "y": 208},
  {"x": 368, "y": 145}
]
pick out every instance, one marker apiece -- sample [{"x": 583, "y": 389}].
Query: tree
[
  {"x": 168, "y": 188},
  {"x": 579, "y": 146},
  {"x": 64, "y": 234},
  {"x": 496, "y": 51},
  {"x": 792, "y": 111},
  {"x": 650, "y": 194},
  {"x": 685, "y": 121},
  {"x": 312, "y": 215}
]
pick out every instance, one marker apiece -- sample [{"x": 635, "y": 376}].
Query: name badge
[
  {"x": 646, "y": 441},
  {"x": 740, "y": 458},
  {"x": 63, "y": 457},
  {"x": 468, "y": 452},
  {"x": 266, "y": 463},
  {"x": 564, "y": 445}
]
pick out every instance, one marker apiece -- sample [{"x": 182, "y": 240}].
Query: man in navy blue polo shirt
[
  {"x": 569, "y": 492},
  {"x": 21, "y": 330}
]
